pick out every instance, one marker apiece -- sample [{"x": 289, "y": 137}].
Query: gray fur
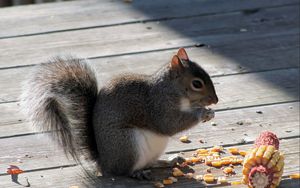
[
  {"x": 59, "y": 97},
  {"x": 128, "y": 102}
]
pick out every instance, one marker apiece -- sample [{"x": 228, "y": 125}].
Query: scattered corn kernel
[
  {"x": 240, "y": 161},
  {"x": 295, "y": 176},
  {"x": 184, "y": 139},
  {"x": 173, "y": 179},
  {"x": 236, "y": 183},
  {"x": 233, "y": 151},
  {"x": 198, "y": 177},
  {"x": 228, "y": 170},
  {"x": 226, "y": 162},
  {"x": 189, "y": 175},
  {"x": 177, "y": 172},
  {"x": 158, "y": 185},
  {"x": 216, "y": 164},
  {"x": 167, "y": 182},
  {"x": 222, "y": 180},
  {"x": 216, "y": 149},
  {"x": 195, "y": 159},
  {"x": 243, "y": 153},
  {"x": 208, "y": 178},
  {"x": 202, "y": 151},
  {"x": 209, "y": 160}
]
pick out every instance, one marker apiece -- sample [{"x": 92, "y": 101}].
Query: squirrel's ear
[
  {"x": 182, "y": 54},
  {"x": 176, "y": 63}
]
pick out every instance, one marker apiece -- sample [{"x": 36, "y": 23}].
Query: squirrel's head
[{"x": 193, "y": 80}]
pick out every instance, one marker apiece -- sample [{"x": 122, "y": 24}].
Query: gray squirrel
[{"x": 124, "y": 127}]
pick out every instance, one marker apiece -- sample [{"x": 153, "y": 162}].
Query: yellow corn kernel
[
  {"x": 216, "y": 164},
  {"x": 239, "y": 161},
  {"x": 259, "y": 154},
  {"x": 226, "y": 162},
  {"x": 202, "y": 151},
  {"x": 295, "y": 176},
  {"x": 189, "y": 175},
  {"x": 246, "y": 171},
  {"x": 279, "y": 164},
  {"x": 158, "y": 185},
  {"x": 228, "y": 170},
  {"x": 236, "y": 183},
  {"x": 278, "y": 174},
  {"x": 222, "y": 180},
  {"x": 215, "y": 154},
  {"x": 245, "y": 179},
  {"x": 192, "y": 160},
  {"x": 226, "y": 158},
  {"x": 242, "y": 153},
  {"x": 184, "y": 139},
  {"x": 274, "y": 159},
  {"x": 173, "y": 179},
  {"x": 198, "y": 177},
  {"x": 209, "y": 178},
  {"x": 233, "y": 151},
  {"x": 216, "y": 149},
  {"x": 195, "y": 159},
  {"x": 209, "y": 160},
  {"x": 268, "y": 154},
  {"x": 167, "y": 182},
  {"x": 177, "y": 172}
]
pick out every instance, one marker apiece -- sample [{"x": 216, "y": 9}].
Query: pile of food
[{"x": 261, "y": 166}]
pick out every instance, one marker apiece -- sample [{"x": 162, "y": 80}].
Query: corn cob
[{"x": 263, "y": 165}]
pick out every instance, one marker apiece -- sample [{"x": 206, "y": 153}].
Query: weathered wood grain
[
  {"x": 53, "y": 17},
  {"x": 260, "y": 55},
  {"x": 135, "y": 38},
  {"x": 73, "y": 175},
  {"x": 37, "y": 151}
]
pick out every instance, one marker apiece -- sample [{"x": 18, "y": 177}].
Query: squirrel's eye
[{"x": 197, "y": 84}]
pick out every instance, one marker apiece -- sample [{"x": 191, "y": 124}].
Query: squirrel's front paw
[{"x": 207, "y": 115}]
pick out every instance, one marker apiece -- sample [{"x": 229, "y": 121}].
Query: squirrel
[{"x": 124, "y": 126}]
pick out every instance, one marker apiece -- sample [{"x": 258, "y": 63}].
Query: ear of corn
[{"x": 269, "y": 158}]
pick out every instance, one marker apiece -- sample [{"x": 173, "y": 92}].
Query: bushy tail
[{"x": 59, "y": 97}]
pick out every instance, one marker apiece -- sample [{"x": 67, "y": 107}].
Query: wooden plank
[
  {"x": 282, "y": 119},
  {"x": 53, "y": 17},
  {"x": 277, "y": 86},
  {"x": 133, "y": 38},
  {"x": 264, "y": 54},
  {"x": 73, "y": 175}
]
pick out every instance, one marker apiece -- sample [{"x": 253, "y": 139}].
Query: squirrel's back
[{"x": 59, "y": 97}]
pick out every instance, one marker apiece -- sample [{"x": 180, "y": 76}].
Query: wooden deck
[{"x": 251, "y": 49}]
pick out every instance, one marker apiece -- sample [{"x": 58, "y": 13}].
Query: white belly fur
[{"x": 150, "y": 146}]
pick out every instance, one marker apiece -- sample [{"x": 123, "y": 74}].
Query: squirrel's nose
[{"x": 213, "y": 99}]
